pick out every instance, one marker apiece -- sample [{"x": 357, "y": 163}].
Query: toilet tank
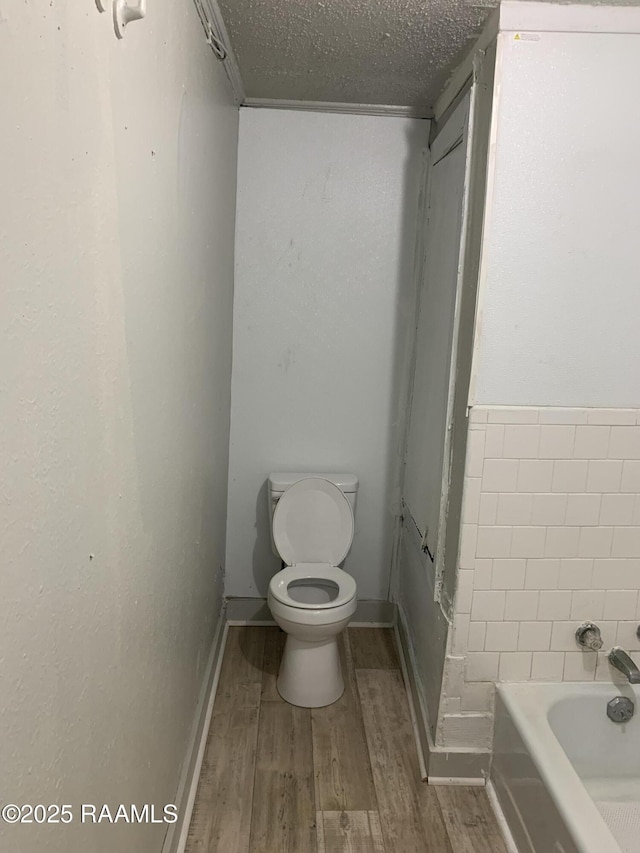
[{"x": 278, "y": 482}]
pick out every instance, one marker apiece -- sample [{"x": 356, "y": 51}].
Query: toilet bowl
[{"x": 312, "y": 599}]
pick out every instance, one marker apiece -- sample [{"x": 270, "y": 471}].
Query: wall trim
[
  {"x": 230, "y": 63},
  {"x": 176, "y": 838},
  {"x": 500, "y": 818},
  {"x": 337, "y": 107},
  {"x": 255, "y": 611},
  {"x": 442, "y": 766}
]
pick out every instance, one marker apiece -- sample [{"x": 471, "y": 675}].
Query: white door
[{"x": 432, "y": 388}]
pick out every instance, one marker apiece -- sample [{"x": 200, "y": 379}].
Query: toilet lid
[{"x": 313, "y": 523}]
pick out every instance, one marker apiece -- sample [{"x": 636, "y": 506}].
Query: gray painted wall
[{"x": 323, "y": 302}]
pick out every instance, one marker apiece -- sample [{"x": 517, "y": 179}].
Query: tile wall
[{"x": 550, "y": 538}]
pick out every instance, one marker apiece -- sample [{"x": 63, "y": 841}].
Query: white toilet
[{"x": 312, "y": 599}]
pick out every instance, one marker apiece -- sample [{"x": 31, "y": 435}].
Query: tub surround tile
[
  {"x": 549, "y": 509},
  {"x": 542, "y": 574},
  {"x": 554, "y": 497},
  {"x": 604, "y": 475},
  {"x": 583, "y": 510},
  {"x": 515, "y": 666},
  {"x": 630, "y": 480},
  {"x": 547, "y": 666},
  {"x": 534, "y": 475}
]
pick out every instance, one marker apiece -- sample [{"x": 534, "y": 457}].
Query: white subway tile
[
  {"x": 477, "y": 632},
  {"x": 547, "y": 666},
  {"x": 576, "y": 574},
  {"x": 521, "y": 604},
  {"x": 482, "y": 666},
  {"x": 583, "y": 510},
  {"x": 587, "y": 604},
  {"x": 553, "y": 415},
  {"x": 478, "y": 696},
  {"x": 556, "y": 442},
  {"x": 514, "y": 508},
  {"x": 549, "y": 509},
  {"x": 542, "y": 574},
  {"x": 563, "y": 637},
  {"x": 616, "y": 574},
  {"x": 595, "y": 542},
  {"x": 626, "y": 635},
  {"x": 534, "y": 636},
  {"x": 515, "y": 415},
  {"x": 475, "y": 453},
  {"x": 488, "y": 511},
  {"x": 569, "y": 475},
  {"x": 482, "y": 574},
  {"x": 460, "y": 633},
  {"x": 471, "y": 500},
  {"x": 528, "y": 541},
  {"x": 468, "y": 539},
  {"x": 464, "y": 591},
  {"x": 624, "y": 442},
  {"x": 555, "y": 604},
  {"x": 592, "y": 442},
  {"x": 487, "y": 605},
  {"x": 500, "y": 475},
  {"x": 494, "y": 542},
  {"x": 626, "y": 542},
  {"x": 494, "y": 441},
  {"x": 501, "y": 637},
  {"x": 478, "y": 415},
  {"x": 636, "y": 510},
  {"x": 579, "y": 666},
  {"x": 562, "y": 542},
  {"x": 620, "y": 604},
  {"x": 515, "y": 666},
  {"x": 604, "y": 475},
  {"x": 612, "y": 416},
  {"x": 534, "y": 475},
  {"x": 508, "y": 574},
  {"x": 521, "y": 441},
  {"x": 630, "y": 480},
  {"x": 617, "y": 509}
]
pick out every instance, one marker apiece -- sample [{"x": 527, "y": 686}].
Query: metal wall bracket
[{"x": 126, "y": 11}]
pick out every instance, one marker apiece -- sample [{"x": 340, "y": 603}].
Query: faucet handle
[{"x": 588, "y": 636}]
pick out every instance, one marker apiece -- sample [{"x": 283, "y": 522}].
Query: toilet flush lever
[{"x": 125, "y": 11}]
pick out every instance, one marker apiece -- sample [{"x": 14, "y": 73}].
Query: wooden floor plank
[
  {"x": 340, "y": 756},
  {"x": 222, "y": 811},
  {"x": 409, "y": 810},
  {"x": 373, "y": 648},
  {"x": 284, "y": 812},
  {"x": 273, "y": 781},
  {"x": 273, "y": 648},
  {"x": 352, "y": 832},
  {"x": 470, "y": 820}
]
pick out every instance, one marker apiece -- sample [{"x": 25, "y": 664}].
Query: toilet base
[{"x": 310, "y": 673}]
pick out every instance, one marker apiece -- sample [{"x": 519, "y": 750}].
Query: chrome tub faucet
[{"x": 623, "y": 662}]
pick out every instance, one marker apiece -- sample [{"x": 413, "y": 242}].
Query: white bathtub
[{"x": 567, "y": 778}]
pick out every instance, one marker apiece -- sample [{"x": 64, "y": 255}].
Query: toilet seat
[
  {"x": 280, "y": 582},
  {"x": 313, "y": 523}
]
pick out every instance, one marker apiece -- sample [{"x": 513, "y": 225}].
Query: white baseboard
[
  {"x": 500, "y": 818},
  {"x": 176, "y": 838},
  {"x": 410, "y": 698}
]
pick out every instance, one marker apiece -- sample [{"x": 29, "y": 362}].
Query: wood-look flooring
[{"x": 341, "y": 779}]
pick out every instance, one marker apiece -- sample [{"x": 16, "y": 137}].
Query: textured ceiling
[{"x": 392, "y": 52}]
